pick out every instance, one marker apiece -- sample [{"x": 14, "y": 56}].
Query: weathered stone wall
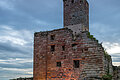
[
  {"x": 77, "y": 28},
  {"x": 116, "y": 73},
  {"x": 79, "y": 47},
  {"x": 108, "y": 67},
  {"x": 119, "y": 73},
  {"x": 40, "y": 56},
  {"x": 76, "y": 12}
]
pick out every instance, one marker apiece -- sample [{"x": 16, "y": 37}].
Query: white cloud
[
  {"x": 16, "y": 61},
  {"x": 112, "y": 48},
  {"x": 30, "y": 73},
  {"x": 18, "y": 37},
  {"x": 7, "y": 4},
  {"x": 15, "y": 72},
  {"x": 105, "y": 32},
  {"x": 16, "y": 69},
  {"x": 14, "y": 40},
  {"x": 19, "y": 46},
  {"x": 116, "y": 63}
]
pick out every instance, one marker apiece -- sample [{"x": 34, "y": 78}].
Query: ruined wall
[
  {"x": 40, "y": 56},
  {"x": 119, "y": 73},
  {"x": 77, "y": 28},
  {"x": 76, "y": 12},
  {"x": 108, "y": 67},
  {"x": 116, "y": 73},
  {"x": 59, "y": 63},
  {"x": 57, "y": 53}
]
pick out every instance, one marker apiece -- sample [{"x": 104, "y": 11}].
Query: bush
[
  {"x": 91, "y": 37},
  {"x": 107, "y": 55},
  {"x": 107, "y": 77}
]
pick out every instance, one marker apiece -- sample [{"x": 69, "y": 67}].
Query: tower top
[{"x": 76, "y": 14}]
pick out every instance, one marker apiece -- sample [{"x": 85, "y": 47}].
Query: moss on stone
[
  {"x": 91, "y": 37},
  {"x": 106, "y": 55}
]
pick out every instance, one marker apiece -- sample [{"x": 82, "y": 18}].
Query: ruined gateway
[{"x": 70, "y": 53}]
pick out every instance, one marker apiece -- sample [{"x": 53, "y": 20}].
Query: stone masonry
[
  {"x": 70, "y": 53},
  {"x": 116, "y": 73},
  {"x": 79, "y": 47},
  {"x": 76, "y": 12}
]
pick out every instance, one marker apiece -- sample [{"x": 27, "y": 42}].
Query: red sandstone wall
[
  {"x": 88, "y": 52},
  {"x": 40, "y": 51}
]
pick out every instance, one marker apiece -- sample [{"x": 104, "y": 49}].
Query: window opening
[
  {"x": 63, "y": 48},
  {"x": 52, "y": 37},
  {"x": 58, "y": 64},
  {"x": 76, "y": 63},
  {"x": 74, "y": 46},
  {"x": 86, "y": 49},
  {"x": 53, "y": 48},
  {"x": 81, "y": 1},
  {"x": 72, "y": 1}
]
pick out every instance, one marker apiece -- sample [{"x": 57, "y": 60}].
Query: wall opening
[
  {"x": 86, "y": 49},
  {"x": 53, "y": 48},
  {"x": 81, "y": 2},
  {"x": 58, "y": 64},
  {"x": 76, "y": 63},
  {"x": 74, "y": 46},
  {"x": 63, "y": 48},
  {"x": 72, "y": 1},
  {"x": 52, "y": 37}
]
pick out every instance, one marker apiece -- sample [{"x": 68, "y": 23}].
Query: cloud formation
[
  {"x": 6, "y": 5},
  {"x": 16, "y": 52},
  {"x": 114, "y": 50},
  {"x": 112, "y": 47}
]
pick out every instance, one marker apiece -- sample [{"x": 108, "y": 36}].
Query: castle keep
[
  {"x": 76, "y": 14},
  {"x": 70, "y": 53}
]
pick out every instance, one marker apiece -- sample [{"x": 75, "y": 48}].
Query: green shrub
[
  {"x": 91, "y": 37},
  {"x": 107, "y": 77},
  {"x": 107, "y": 55}
]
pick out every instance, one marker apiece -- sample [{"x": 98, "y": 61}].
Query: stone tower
[{"x": 76, "y": 14}]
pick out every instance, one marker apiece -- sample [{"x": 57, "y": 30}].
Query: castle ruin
[{"x": 70, "y": 53}]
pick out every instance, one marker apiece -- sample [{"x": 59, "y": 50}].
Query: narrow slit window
[
  {"x": 72, "y": 1},
  {"x": 53, "y": 48},
  {"x": 52, "y": 37},
  {"x": 76, "y": 63},
  {"x": 63, "y": 48},
  {"x": 58, "y": 64}
]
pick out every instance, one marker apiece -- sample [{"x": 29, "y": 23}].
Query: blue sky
[{"x": 19, "y": 19}]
